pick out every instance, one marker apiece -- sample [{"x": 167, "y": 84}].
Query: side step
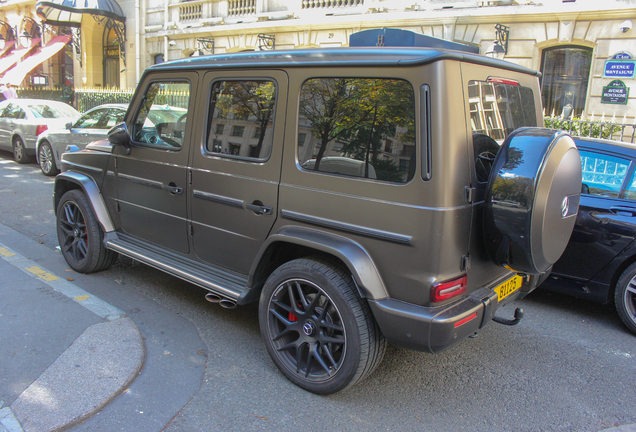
[{"x": 224, "y": 284}]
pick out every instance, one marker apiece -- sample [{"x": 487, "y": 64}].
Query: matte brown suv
[{"x": 360, "y": 195}]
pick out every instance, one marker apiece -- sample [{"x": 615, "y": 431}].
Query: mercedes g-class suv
[{"x": 361, "y": 195}]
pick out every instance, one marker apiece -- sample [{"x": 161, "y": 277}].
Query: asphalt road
[{"x": 569, "y": 365}]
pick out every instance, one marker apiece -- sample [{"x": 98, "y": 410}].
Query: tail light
[
  {"x": 444, "y": 290},
  {"x": 503, "y": 81},
  {"x": 40, "y": 128}
]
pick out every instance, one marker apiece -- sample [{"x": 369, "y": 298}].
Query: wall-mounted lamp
[
  {"x": 266, "y": 42},
  {"x": 626, "y": 26},
  {"x": 206, "y": 44},
  {"x": 499, "y": 47},
  {"x": 30, "y": 30},
  {"x": 7, "y": 33}
]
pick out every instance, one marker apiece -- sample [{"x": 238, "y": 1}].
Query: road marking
[
  {"x": 92, "y": 303},
  {"x": 8, "y": 420},
  {"x": 5, "y": 252},
  {"x": 41, "y": 273}
]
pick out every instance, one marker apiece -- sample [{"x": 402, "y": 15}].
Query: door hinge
[
  {"x": 191, "y": 230},
  {"x": 469, "y": 192},
  {"x": 118, "y": 208},
  {"x": 190, "y": 177}
]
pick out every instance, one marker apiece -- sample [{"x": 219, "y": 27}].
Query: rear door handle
[
  {"x": 259, "y": 208},
  {"x": 623, "y": 210}
]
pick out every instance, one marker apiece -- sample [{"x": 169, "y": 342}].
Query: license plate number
[{"x": 508, "y": 287}]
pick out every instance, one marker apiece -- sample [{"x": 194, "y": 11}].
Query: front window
[
  {"x": 162, "y": 118},
  {"x": 350, "y": 120}
]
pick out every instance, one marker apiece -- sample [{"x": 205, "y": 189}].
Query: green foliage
[{"x": 583, "y": 128}]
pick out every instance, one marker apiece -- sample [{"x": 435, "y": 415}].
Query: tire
[
  {"x": 625, "y": 297},
  {"x": 318, "y": 331},
  {"x": 19, "y": 151},
  {"x": 80, "y": 235},
  {"x": 47, "y": 160},
  {"x": 532, "y": 200}
]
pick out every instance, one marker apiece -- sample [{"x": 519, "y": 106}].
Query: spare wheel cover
[{"x": 532, "y": 199}]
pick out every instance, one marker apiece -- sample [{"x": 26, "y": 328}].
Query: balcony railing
[
  {"x": 241, "y": 7},
  {"x": 314, "y": 4},
  {"x": 190, "y": 12}
]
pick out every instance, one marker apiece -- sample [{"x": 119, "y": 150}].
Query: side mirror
[
  {"x": 119, "y": 135},
  {"x": 69, "y": 125}
]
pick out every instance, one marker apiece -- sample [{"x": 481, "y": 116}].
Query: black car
[{"x": 599, "y": 262}]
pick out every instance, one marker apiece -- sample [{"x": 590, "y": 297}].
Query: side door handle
[
  {"x": 173, "y": 189},
  {"x": 623, "y": 210},
  {"x": 258, "y": 208}
]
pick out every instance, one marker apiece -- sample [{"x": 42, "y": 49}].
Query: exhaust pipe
[
  {"x": 213, "y": 298},
  {"x": 227, "y": 304},
  {"x": 221, "y": 301}
]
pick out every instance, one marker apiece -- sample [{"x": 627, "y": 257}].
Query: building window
[
  {"x": 111, "y": 58},
  {"x": 237, "y": 131},
  {"x": 219, "y": 128},
  {"x": 566, "y": 72},
  {"x": 159, "y": 58},
  {"x": 301, "y": 139}
]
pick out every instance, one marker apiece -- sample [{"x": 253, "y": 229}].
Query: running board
[{"x": 224, "y": 284}]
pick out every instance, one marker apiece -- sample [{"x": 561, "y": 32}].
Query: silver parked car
[
  {"x": 92, "y": 126},
  {"x": 22, "y": 120}
]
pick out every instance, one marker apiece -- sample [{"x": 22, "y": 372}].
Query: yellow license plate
[{"x": 508, "y": 287}]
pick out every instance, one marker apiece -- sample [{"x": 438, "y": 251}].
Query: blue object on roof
[{"x": 404, "y": 38}]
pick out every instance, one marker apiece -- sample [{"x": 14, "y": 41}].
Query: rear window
[
  {"x": 497, "y": 109},
  {"x": 358, "y": 127}
]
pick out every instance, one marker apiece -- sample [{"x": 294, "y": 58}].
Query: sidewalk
[{"x": 64, "y": 353}]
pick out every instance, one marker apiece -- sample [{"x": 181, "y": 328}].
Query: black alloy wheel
[
  {"x": 317, "y": 329},
  {"x": 80, "y": 235},
  {"x": 625, "y": 297},
  {"x": 47, "y": 160}
]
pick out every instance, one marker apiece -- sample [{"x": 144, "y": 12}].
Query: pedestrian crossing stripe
[{"x": 41, "y": 273}]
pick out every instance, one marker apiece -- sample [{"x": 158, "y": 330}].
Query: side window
[
  {"x": 15, "y": 112},
  {"x": 238, "y": 108},
  {"x": 360, "y": 127},
  {"x": 603, "y": 175},
  {"x": 497, "y": 109},
  {"x": 161, "y": 121},
  {"x": 113, "y": 117},
  {"x": 89, "y": 120}
]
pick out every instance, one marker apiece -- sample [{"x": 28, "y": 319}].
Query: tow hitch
[{"x": 510, "y": 322}]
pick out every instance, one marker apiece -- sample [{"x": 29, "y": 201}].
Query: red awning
[
  {"x": 16, "y": 75},
  {"x": 10, "y": 60},
  {"x": 6, "y": 47}
]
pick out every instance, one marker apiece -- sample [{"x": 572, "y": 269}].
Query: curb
[{"x": 90, "y": 373}]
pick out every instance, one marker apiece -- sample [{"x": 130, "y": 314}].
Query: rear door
[
  {"x": 607, "y": 213},
  {"x": 152, "y": 179},
  {"x": 236, "y": 169}
]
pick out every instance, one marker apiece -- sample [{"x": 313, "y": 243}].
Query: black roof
[{"x": 338, "y": 57}]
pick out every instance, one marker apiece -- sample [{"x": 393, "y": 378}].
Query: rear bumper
[{"x": 434, "y": 329}]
